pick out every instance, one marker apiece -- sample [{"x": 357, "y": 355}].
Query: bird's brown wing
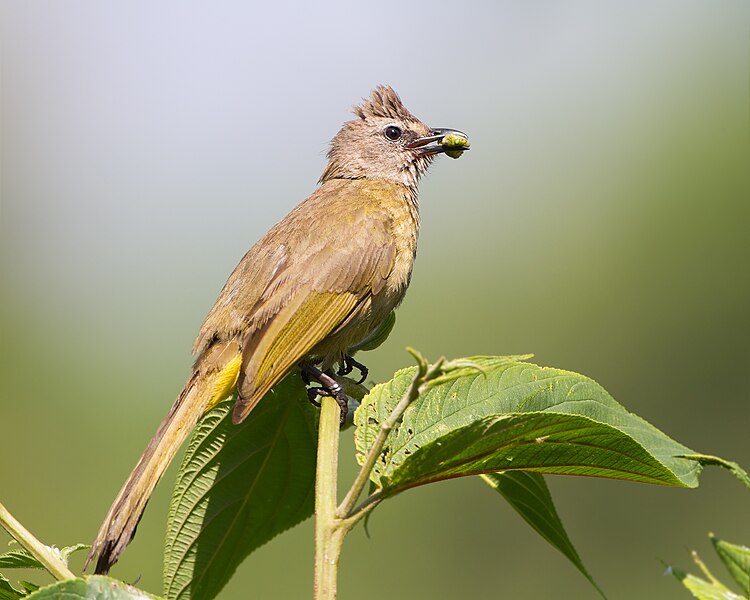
[
  {"x": 286, "y": 340},
  {"x": 331, "y": 283}
]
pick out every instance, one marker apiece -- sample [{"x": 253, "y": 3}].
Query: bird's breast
[{"x": 391, "y": 210}]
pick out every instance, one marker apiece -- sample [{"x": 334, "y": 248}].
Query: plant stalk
[
  {"x": 329, "y": 535},
  {"x": 42, "y": 553},
  {"x": 331, "y": 523}
]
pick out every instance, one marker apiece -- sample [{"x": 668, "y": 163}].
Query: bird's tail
[{"x": 213, "y": 379}]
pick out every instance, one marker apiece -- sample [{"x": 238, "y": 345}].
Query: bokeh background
[{"x": 599, "y": 221}]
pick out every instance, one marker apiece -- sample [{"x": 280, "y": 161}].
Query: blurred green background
[{"x": 600, "y": 221}]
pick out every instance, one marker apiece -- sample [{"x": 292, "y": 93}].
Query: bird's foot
[
  {"x": 348, "y": 365},
  {"x": 328, "y": 387}
]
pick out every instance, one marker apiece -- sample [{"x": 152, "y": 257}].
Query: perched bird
[{"x": 306, "y": 294}]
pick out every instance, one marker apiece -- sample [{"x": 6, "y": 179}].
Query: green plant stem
[
  {"x": 332, "y": 524},
  {"x": 329, "y": 535},
  {"x": 42, "y": 553}
]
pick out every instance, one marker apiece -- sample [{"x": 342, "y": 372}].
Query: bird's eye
[{"x": 392, "y": 133}]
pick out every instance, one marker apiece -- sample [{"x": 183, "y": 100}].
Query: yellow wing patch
[{"x": 225, "y": 381}]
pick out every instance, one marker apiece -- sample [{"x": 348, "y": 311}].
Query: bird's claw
[{"x": 348, "y": 365}]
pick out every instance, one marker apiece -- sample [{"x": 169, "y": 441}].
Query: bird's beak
[{"x": 441, "y": 140}]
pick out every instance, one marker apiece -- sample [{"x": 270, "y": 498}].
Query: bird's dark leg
[
  {"x": 329, "y": 387},
  {"x": 348, "y": 365}
]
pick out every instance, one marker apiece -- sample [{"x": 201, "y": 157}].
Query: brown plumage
[{"x": 314, "y": 286}]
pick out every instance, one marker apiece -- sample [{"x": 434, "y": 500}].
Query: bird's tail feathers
[{"x": 209, "y": 384}]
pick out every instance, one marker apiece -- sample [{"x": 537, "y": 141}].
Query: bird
[{"x": 306, "y": 295}]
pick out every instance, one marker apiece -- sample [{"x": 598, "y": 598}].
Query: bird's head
[{"x": 387, "y": 142}]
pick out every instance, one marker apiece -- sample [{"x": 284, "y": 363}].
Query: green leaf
[
  {"x": 515, "y": 416},
  {"x": 716, "y": 461},
  {"x": 737, "y": 561},
  {"x": 702, "y": 589},
  {"x": 7, "y": 591},
  {"x": 22, "y": 559},
  {"x": 66, "y": 552},
  {"x": 19, "y": 559},
  {"x": 238, "y": 487},
  {"x": 95, "y": 587},
  {"x": 28, "y": 586},
  {"x": 529, "y": 495},
  {"x": 539, "y": 442}
]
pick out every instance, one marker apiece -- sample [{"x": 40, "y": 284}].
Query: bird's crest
[{"x": 383, "y": 102}]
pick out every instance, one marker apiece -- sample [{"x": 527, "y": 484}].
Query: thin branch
[
  {"x": 42, "y": 553},
  {"x": 424, "y": 374},
  {"x": 360, "y": 511}
]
